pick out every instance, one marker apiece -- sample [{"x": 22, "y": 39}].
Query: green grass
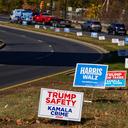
[{"x": 109, "y": 108}]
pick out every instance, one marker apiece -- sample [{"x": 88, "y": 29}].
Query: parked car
[
  {"x": 15, "y": 15},
  {"x": 42, "y": 19},
  {"x": 116, "y": 28},
  {"x": 59, "y": 22},
  {"x": 91, "y": 26}
]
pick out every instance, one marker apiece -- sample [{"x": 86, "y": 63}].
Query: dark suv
[
  {"x": 58, "y": 22},
  {"x": 116, "y": 28},
  {"x": 91, "y": 26}
]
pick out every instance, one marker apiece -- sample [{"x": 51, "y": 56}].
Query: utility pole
[
  {"x": 37, "y": 5},
  {"x": 51, "y": 7},
  {"x": 106, "y": 2},
  {"x": 65, "y": 9},
  {"x": 107, "y": 5}
]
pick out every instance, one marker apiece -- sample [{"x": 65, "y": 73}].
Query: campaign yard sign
[
  {"x": 94, "y": 34},
  {"x": 122, "y": 52},
  {"x": 126, "y": 40},
  {"x": 51, "y": 28},
  {"x": 115, "y": 40},
  {"x": 90, "y": 75},
  {"x": 57, "y": 29},
  {"x": 60, "y": 104},
  {"x": 116, "y": 79},
  {"x": 37, "y": 26},
  {"x": 101, "y": 37},
  {"x": 79, "y": 33},
  {"x": 66, "y": 30},
  {"x": 121, "y": 43},
  {"x": 24, "y": 23},
  {"x": 126, "y": 63}
]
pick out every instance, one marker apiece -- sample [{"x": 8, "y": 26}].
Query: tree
[{"x": 94, "y": 11}]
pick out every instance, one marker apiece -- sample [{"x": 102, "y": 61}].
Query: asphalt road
[
  {"x": 27, "y": 56},
  {"x": 4, "y": 17}
]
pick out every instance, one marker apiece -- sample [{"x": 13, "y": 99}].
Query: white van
[{"x": 16, "y": 15}]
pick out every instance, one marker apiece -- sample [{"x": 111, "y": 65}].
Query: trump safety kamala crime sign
[
  {"x": 60, "y": 104},
  {"x": 90, "y": 75},
  {"x": 116, "y": 79}
]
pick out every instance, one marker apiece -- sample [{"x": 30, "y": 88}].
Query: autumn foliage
[{"x": 115, "y": 10}]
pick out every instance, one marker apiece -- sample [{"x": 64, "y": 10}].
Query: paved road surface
[{"x": 28, "y": 56}]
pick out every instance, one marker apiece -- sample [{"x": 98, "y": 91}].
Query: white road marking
[
  {"x": 50, "y": 46},
  {"x": 52, "y": 51},
  {"x": 40, "y": 41},
  {"x": 23, "y": 36},
  {"x": 43, "y": 57}
]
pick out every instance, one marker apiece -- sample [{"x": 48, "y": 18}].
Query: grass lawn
[
  {"x": 109, "y": 109},
  {"x": 19, "y": 106}
]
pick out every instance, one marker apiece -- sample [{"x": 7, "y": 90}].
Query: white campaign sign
[
  {"x": 94, "y": 34},
  {"x": 24, "y": 23},
  {"x": 66, "y": 30},
  {"x": 60, "y": 104},
  {"x": 101, "y": 37},
  {"x": 115, "y": 40},
  {"x": 37, "y": 26},
  {"x": 79, "y": 34},
  {"x": 57, "y": 29},
  {"x": 126, "y": 63},
  {"x": 44, "y": 27},
  {"x": 121, "y": 43},
  {"x": 69, "y": 9}
]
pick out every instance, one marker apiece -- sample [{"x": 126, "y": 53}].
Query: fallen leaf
[
  {"x": 37, "y": 121},
  {"x": 19, "y": 122},
  {"x": 6, "y": 106}
]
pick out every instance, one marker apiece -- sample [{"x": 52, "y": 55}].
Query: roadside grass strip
[{"x": 19, "y": 106}]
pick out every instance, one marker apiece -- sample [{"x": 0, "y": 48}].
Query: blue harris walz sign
[
  {"x": 126, "y": 40},
  {"x": 90, "y": 75}
]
